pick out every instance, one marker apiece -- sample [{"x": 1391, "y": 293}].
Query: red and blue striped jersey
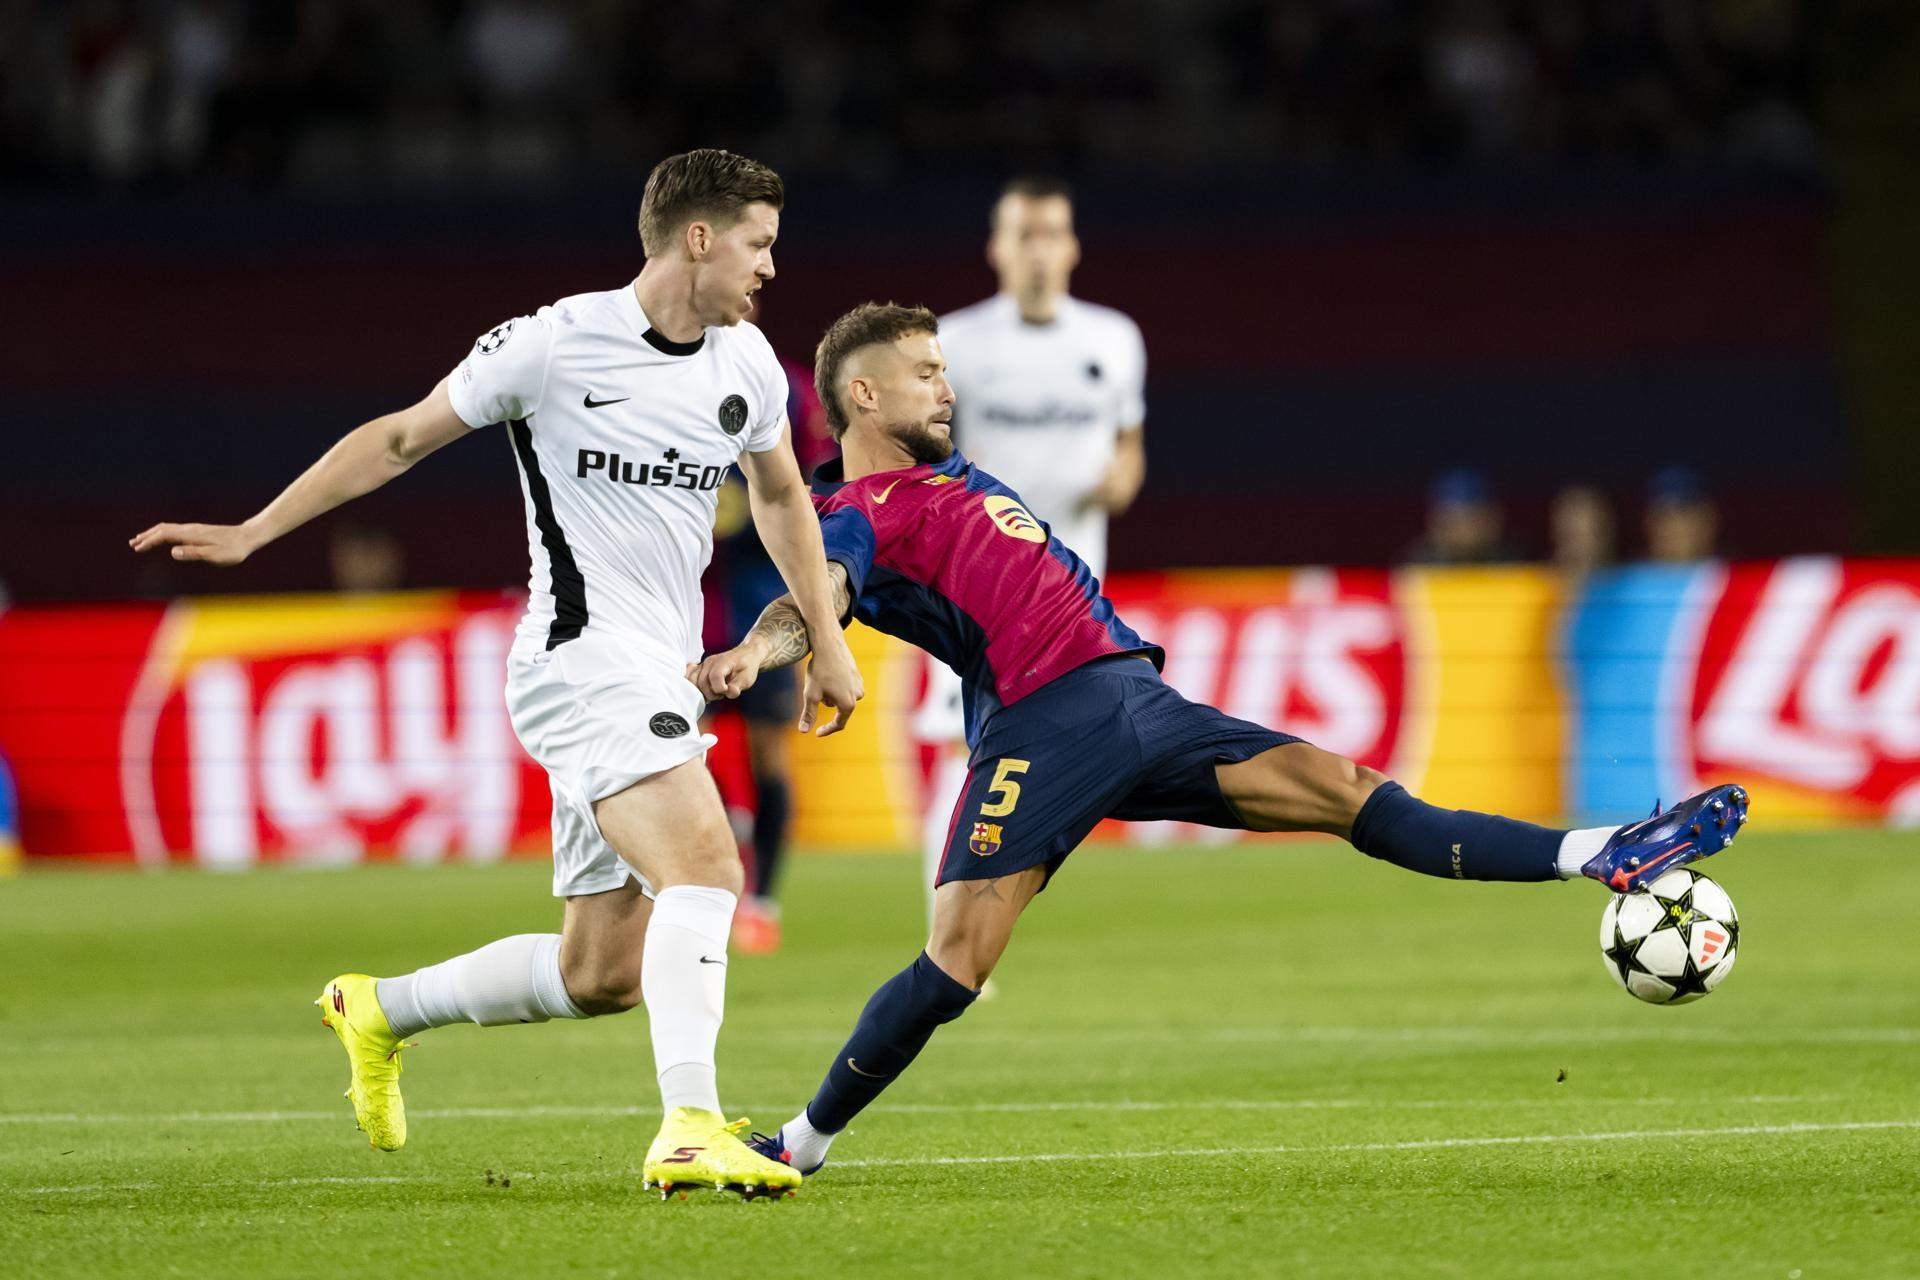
[{"x": 947, "y": 558}]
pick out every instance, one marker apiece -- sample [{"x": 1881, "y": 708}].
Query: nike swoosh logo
[
  {"x": 881, "y": 496},
  {"x": 857, "y": 1071},
  {"x": 1621, "y": 875},
  {"x": 591, "y": 403},
  {"x": 1668, "y": 856},
  {"x": 711, "y": 960}
]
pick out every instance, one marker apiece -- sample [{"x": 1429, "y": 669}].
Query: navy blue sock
[
  {"x": 893, "y": 1028},
  {"x": 1457, "y": 844},
  {"x": 773, "y": 804}
]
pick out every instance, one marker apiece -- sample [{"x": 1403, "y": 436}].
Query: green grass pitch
[{"x": 1239, "y": 1062}]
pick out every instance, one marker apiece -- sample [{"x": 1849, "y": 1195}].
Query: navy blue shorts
[{"x": 1108, "y": 740}]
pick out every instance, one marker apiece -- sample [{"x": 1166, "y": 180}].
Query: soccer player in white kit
[
  {"x": 1051, "y": 398},
  {"x": 624, "y": 410}
]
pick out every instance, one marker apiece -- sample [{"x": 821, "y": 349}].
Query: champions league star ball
[{"x": 1673, "y": 941}]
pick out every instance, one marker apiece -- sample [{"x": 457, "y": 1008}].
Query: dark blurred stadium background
[{"x": 1367, "y": 240}]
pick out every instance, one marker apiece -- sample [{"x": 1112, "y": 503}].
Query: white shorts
[{"x": 599, "y": 716}]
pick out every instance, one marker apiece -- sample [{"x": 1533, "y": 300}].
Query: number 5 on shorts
[{"x": 1005, "y": 788}]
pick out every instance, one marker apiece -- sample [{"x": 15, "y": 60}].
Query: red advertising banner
[
  {"x": 1807, "y": 678},
  {"x": 1321, "y": 651},
  {"x": 321, "y": 729},
  {"x": 329, "y": 729}
]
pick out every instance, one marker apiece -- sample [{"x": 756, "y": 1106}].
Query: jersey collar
[
  {"x": 654, "y": 338},
  {"x": 828, "y": 476},
  {"x": 1061, "y": 308}
]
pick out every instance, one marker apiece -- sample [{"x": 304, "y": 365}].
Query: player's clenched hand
[
  {"x": 729, "y": 673},
  {"x": 211, "y": 543},
  {"x": 832, "y": 678}
]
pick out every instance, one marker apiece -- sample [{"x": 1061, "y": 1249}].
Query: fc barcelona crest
[{"x": 985, "y": 839}]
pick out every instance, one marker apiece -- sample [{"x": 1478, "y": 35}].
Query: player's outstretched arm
[
  {"x": 364, "y": 459},
  {"x": 790, "y": 532},
  {"x": 779, "y": 639}
]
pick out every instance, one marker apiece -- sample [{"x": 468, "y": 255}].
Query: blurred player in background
[
  {"x": 1051, "y": 398},
  {"x": 624, "y": 409},
  {"x": 745, "y": 580}
]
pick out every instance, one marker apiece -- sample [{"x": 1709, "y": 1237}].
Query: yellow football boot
[
  {"x": 350, "y": 1007},
  {"x": 698, "y": 1149}
]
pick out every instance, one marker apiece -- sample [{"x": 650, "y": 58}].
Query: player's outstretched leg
[
  {"x": 1299, "y": 787},
  {"x": 973, "y": 919}
]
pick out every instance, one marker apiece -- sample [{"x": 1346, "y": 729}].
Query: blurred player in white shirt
[
  {"x": 1050, "y": 396},
  {"x": 624, "y": 409}
]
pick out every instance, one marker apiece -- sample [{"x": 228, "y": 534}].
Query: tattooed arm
[
  {"x": 778, "y": 639},
  {"x": 782, "y": 632}
]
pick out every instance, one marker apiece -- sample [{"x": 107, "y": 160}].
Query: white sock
[
  {"x": 1578, "y": 847},
  {"x": 683, "y": 978},
  {"x": 806, "y": 1145},
  {"x": 516, "y": 979}
]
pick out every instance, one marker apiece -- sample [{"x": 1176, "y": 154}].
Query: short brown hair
[
  {"x": 867, "y": 325},
  {"x": 1037, "y": 187},
  {"x": 1032, "y": 187},
  {"x": 708, "y": 183}
]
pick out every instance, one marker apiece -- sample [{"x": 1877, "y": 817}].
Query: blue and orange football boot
[
  {"x": 1696, "y": 828},
  {"x": 775, "y": 1148}
]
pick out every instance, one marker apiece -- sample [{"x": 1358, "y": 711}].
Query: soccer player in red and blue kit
[{"x": 1068, "y": 720}]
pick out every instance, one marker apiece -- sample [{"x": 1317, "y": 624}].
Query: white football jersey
[
  {"x": 1039, "y": 406},
  {"x": 622, "y": 438}
]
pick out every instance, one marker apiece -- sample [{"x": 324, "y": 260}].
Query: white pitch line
[
  {"x": 1261, "y": 1035},
  {"x": 1490, "y": 1037},
  {"x": 913, "y": 1108},
  {"x": 1057, "y": 1157},
  {"x": 1449, "y": 1035},
  {"x": 1421, "y": 1144}
]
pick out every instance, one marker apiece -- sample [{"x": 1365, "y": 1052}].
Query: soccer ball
[{"x": 1673, "y": 941}]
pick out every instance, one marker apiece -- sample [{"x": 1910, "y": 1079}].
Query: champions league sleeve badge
[
  {"x": 733, "y": 414},
  {"x": 494, "y": 339}
]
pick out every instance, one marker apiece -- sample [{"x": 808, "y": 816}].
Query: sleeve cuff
[{"x": 463, "y": 406}]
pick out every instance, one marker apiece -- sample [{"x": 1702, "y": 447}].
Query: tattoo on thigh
[{"x": 987, "y": 889}]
